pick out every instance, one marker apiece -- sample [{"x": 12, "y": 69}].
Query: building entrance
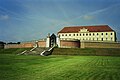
[{"x": 52, "y": 40}]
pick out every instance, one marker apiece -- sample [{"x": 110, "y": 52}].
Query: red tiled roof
[{"x": 75, "y": 29}]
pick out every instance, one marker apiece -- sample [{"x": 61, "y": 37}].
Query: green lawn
[{"x": 22, "y": 67}]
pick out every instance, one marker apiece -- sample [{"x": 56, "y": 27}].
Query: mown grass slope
[
  {"x": 13, "y": 50},
  {"x": 87, "y": 51},
  {"x": 27, "y": 67}
]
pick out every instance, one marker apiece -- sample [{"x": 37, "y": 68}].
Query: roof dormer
[{"x": 83, "y": 30}]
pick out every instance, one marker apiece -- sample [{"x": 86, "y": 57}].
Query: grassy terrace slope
[
  {"x": 87, "y": 51},
  {"x": 13, "y": 51},
  {"x": 27, "y": 67}
]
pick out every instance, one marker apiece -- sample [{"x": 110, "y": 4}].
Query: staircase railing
[{"x": 47, "y": 52}]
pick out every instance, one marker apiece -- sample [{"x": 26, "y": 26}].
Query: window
[
  {"x": 69, "y": 34},
  {"x": 111, "y": 33},
  {"x": 111, "y": 38},
  {"x": 86, "y": 34},
  {"x": 97, "y": 33},
  {"x": 102, "y": 34},
  {"x": 106, "y": 34},
  {"x": 80, "y": 34},
  {"x": 77, "y": 34},
  {"x": 93, "y": 39},
  {"x": 90, "y": 34},
  {"x": 106, "y": 39},
  {"x": 62, "y": 34},
  {"x": 83, "y": 34},
  {"x": 93, "y": 34},
  {"x": 102, "y": 39},
  {"x": 65, "y": 34},
  {"x": 97, "y": 39},
  {"x": 73, "y": 34}
]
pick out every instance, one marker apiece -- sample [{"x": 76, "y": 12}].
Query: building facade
[{"x": 99, "y": 33}]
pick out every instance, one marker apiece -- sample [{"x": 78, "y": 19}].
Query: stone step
[{"x": 36, "y": 51}]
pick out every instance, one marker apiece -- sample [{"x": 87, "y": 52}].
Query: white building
[{"x": 99, "y": 33}]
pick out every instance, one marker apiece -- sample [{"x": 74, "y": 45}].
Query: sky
[{"x": 27, "y": 20}]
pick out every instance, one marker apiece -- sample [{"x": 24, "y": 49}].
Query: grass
[
  {"x": 13, "y": 50},
  {"x": 22, "y": 67}
]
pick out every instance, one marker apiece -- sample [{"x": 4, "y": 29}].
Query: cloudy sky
[{"x": 26, "y": 20}]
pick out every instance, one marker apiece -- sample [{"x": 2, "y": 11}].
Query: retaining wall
[
  {"x": 42, "y": 43},
  {"x": 69, "y": 43},
  {"x": 22, "y": 45},
  {"x": 100, "y": 45}
]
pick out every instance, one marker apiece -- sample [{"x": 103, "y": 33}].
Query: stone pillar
[
  {"x": 58, "y": 41},
  {"x": 48, "y": 40},
  {"x": 36, "y": 44}
]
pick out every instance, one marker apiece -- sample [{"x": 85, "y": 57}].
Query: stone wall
[
  {"x": 100, "y": 45},
  {"x": 69, "y": 43},
  {"x": 42, "y": 43},
  {"x": 26, "y": 45},
  {"x": 66, "y": 44},
  {"x": 22, "y": 45},
  {"x": 78, "y": 44}
]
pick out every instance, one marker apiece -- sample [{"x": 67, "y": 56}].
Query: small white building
[{"x": 99, "y": 33}]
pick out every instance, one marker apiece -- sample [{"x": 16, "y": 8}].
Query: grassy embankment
[
  {"x": 87, "y": 51},
  {"x": 13, "y": 50},
  {"x": 22, "y": 67}
]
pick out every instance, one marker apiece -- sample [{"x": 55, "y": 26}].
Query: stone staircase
[
  {"x": 36, "y": 51},
  {"x": 47, "y": 52}
]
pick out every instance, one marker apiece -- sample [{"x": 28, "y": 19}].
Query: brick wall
[
  {"x": 22, "y": 45},
  {"x": 28, "y": 45},
  {"x": 100, "y": 45},
  {"x": 78, "y": 44},
  {"x": 69, "y": 44},
  {"x": 42, "y": 43}
]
